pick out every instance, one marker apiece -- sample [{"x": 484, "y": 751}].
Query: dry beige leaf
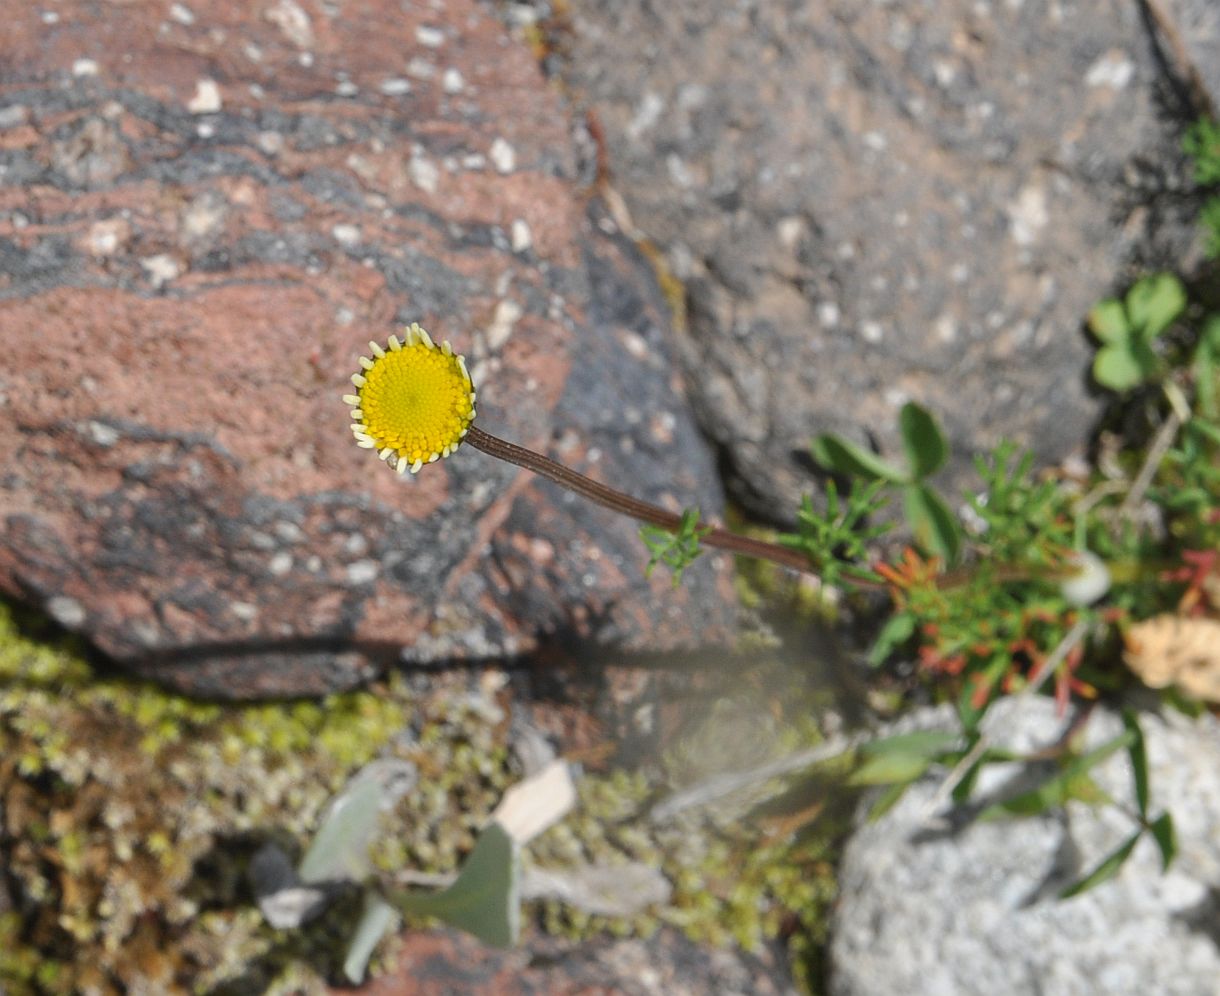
[{"x": 1174, "y": 650}]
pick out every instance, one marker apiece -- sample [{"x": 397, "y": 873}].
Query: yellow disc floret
[{"x": 416, "y": 400}]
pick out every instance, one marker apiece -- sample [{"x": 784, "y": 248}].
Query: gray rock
[
  {"x": 927, "y": 911},
  {"x": 1189, "y": 32},
  {"x": 875, "y": 203}
]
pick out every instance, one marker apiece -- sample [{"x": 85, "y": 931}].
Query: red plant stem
[{"x": 617, "y": 501}]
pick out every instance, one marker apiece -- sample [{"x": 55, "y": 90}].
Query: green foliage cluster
[
  {"x": 1052, "y": 570},
  {"x": 676, "y": 549},
  {"x": 1004, "y": 619},
  {"x": 1202, "y": 144}
]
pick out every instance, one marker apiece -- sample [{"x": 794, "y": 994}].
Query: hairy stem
[{"x": 617, "y": 501}]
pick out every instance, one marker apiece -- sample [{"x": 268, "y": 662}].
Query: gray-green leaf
[
  {"x": 925, "y": 446},
  {"x": 484, "y": 900},
  {"x": 837, "y": 454}
]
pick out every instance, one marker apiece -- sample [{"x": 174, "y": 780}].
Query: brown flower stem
[{"x": 617, "y": 501}]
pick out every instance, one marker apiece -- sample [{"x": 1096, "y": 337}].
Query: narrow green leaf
[
  {"x": 1166, "y": 839},
  {"x": 485, "y": 898},
  {"x": 919, "y": 743},
  {"x": 897, "y": 630},
  {"x": 1138, "y": 752},
  {"x": 375, "y": 920},
  {"x": 1154, "y": 302},
  {"x": 1106, "y": 870},
  {"x": 1207, "y": 429},
  {"x": 923, "y": 441},
  {"x": 887, "y": 799},
  {"x": 1108, "y": 321},
  {"x": 934, "y": 525},
  {"x": 837, "y": 454},
  {"x": 885, "y": 769},
  {"x": 1207, "y": 366},
  {"x": 1059, "y": 787}
]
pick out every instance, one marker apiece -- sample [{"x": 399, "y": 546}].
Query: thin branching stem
[{"x": 643, "y": 511}]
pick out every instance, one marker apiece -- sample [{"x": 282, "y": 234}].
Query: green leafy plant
[
  {"x": 1128, "y": 330},
  {"x": 930, "y": 518},
  {"x": 839, "y": 541},
  {"x": 676, "y": 549},
  {"x": 1202, "y": 144}
]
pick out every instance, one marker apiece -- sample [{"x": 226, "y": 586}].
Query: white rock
[
  {"x": 503, "y": 156},
  {"x": 206, "y": 99},
  {"x": 973, "y": 910}
]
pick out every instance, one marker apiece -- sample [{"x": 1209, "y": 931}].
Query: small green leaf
[
  {"x": 1108, "y": 321},
  {"x": 887, "y": 799},
  {"x": 376, "y": 919},
  {"x": 843, "y": 457},
  {"x": 1207, "y": 366},
  {"x": 923, "y": 441},
  {"x": 1138, "y": 753},
  {"x": 1166, "y": 839},
  {"x": 1154, "y": 302},
  {"x": 918, "y": 743},
  {"x": 1106, "y": 870},
  {"x": 897, "y": 630},
  {"x": 885, "y": 769},
  {"x": 1059, "y": 787},
  {"x": 1117, "y": 367},
  {"x": 485, "y": 898},
  {"x": 934, "y": 526}
]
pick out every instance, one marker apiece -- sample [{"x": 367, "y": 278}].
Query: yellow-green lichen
[{"x": 129, "y": 814}]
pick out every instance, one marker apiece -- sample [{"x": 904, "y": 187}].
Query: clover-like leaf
[
  {"x": 1118, "y": 367},
  {"x": 1153, "y": 303},
  {"x": 1108, "y": 321}
]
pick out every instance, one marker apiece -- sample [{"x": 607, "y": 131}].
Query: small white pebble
[
  {"x": 362, "y": 572},
  {"x": 871, "y": 331},
  {"x": 68, "y": 612},
  {"x": 395, "y": 87},
  {"x": 346, "y": 235},
  {"x": 280, "y": 564},
  {"x": 206, "y": 99},
  {"x": 181, "y": 13},
  {"x": 430, "y": 37},
  {"x": 521, "y": 236},
  {"x": 503, "y": 156},
  {"x": 49, "y": 17},
  {"x": 452, "y": 81},
  {"x": 423, "y": 173},
  {"x": 161, "y": 269},
  {"x": 84, "y": 67}
]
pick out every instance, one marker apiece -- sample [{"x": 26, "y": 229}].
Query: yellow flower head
[{"x": 416, "y": 401}]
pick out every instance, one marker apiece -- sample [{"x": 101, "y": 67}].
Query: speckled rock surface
[
  {"x": 1189, "y": 34},
  {"x": 973, "y": 909},
  {"x": 667, "y": 964},
  {"x": 205, "y": 213},
  {"x": 873, "y": 203}
]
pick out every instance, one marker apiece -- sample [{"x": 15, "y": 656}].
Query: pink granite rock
[{"x": 205, "y": 214}]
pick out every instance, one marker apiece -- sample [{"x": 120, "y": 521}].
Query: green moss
[{"x": 130, "y": 813}]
